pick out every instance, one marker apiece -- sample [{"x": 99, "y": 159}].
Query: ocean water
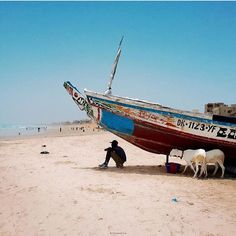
[{"x": 8, "y": 130}]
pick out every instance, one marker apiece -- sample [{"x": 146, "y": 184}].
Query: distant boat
[{"x": 153, "y": 127}]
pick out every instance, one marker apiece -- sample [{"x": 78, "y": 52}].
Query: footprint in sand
[
  {"x": 30, "y": 189},
  {"x": 65, "y": 163}
]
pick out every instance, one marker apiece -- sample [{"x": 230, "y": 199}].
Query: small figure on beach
[
  {"x": 115, "y": 152},
  {"x": 44, "y": 149}
]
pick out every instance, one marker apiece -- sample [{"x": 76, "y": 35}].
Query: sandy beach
[{"x": 65, "y": 193}]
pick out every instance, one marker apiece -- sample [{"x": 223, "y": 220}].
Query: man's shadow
[
  {"x": 142, "y": 170},
  {"x": 160, "y": 170}
]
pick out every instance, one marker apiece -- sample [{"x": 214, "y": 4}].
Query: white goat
[
  {"x": 192, "y": 156},
  {"x": 216, "y": 157}
]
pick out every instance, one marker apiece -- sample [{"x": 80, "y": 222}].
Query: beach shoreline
[
  {"x": 65, "y": 193},
  {"x": 54, "y": 130}
]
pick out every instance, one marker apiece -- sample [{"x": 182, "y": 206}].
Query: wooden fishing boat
[{"x": 153, "y": 127}]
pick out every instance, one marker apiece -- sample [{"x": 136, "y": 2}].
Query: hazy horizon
[{"x": 179, "y": 54}]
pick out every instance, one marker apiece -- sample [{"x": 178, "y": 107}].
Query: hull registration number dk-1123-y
[{"x": 220, "y": 131}]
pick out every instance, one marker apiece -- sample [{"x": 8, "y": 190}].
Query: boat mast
[{"x": 108, "y": 91}]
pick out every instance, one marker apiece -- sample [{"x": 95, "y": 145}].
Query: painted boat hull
[{"x": 156, "y": 128}]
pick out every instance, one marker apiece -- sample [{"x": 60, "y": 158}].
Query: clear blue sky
[{"x": 179, "y": 54}]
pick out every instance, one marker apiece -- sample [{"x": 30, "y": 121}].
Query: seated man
[{"x": 116, "y": 153}]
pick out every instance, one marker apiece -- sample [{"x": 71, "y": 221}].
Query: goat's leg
[
  {"x": 222, "y": 168},
  {"x": 216, "y": 168},
  {"x": 203, "y": 170},
  {"x": 192, "y": 166},
  {"x": 195, "y": 171},
  {"x": 185, "y": 168}
]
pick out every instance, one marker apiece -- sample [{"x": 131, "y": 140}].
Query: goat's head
[{"x": 176, "y": 153}]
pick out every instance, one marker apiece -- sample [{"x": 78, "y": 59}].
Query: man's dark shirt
[{"x": 120, "y": 151}]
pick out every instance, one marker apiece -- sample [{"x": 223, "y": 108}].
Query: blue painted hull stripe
[{"x": 117, "y": 123}]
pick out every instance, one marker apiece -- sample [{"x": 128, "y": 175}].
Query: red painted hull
[{"x": 161, "y": 140}]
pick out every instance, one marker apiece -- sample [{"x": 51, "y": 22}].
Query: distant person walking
[{"x": 115, "y": 152}]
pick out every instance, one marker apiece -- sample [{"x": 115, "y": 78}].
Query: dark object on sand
[
  {"x": 44, "y": 152},
  {"x": 172, "y": 167}
]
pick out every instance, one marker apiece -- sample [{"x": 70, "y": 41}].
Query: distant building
[
  {"x": 196, "y": 111},
  {"x": 220, "y": 109}
]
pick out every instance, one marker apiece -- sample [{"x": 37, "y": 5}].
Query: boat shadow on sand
[{"x": 160, "y": 170}]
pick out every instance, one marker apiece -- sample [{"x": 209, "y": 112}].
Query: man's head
[{"x": 114, "y": 143}]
